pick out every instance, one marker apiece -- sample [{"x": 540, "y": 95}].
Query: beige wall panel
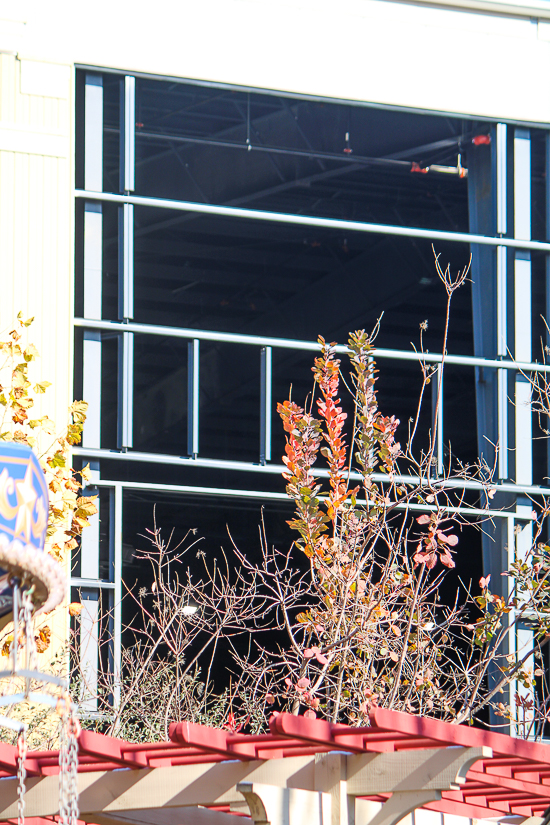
[
  {"x": 36, "y": 240},
  {"x": 36, "y": 225}
]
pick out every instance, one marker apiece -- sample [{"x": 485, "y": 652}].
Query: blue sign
[{"x": 23, "y": 495}]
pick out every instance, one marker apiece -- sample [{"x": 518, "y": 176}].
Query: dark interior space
[{"x": 241, "y": 275}]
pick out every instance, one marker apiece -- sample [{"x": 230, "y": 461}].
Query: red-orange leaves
[
  {"x": 302, "y": 445},
  {"x": 375, "y": 437},
  {"x": 327, "y": 376},
  {"x": 435, "y": 543}
]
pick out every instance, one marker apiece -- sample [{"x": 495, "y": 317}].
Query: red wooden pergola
[{"x": 304, "y": 772}]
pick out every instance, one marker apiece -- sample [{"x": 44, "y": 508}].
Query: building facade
[{"x": 188, "y": 198}]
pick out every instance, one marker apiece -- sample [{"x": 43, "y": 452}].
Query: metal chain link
[
  {"x": 74, "y": 729},
  {"x": 68, "y": 763},
  {"x": 30, "y": 641},
  {"x": 63, "y": 763},
  {"x": 21, "y": 775}
]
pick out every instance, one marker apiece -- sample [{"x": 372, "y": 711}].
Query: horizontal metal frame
[
  {"x": 278, "y": 469},
  {"x": 308, "y": 220},
  {"x": 305, "y": 346},
  {"x": 493, "y": 7},
  {"x": 230, "y": 492},
  {"x": 77, "y": 581}
]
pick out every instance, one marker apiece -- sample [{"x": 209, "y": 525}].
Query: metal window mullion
[
  {"x": 501, "y": 152},
  {"x": 93, "y": 255},
  {"x": 265, "y": 404},
  {"x": 93, "y": 132},
  {"x": 91, "y": 381},
  {"x": 117, "y": 607},
  {"x": 126, "y": 262},
  {"x": 193, "y": 397},
  {"x": 522, "y": 544},
  {"x": 437, "y": 417},
  {"x": 522, "y": 307},
  {"x": 502, "y": 301},
  {"x": 125, "y": 390},
  {"x": 127, "y": 134},
  {"x": 89, "y": 650},
  {"x": 502, "y": 404},
  {"x": 502, "y": 346}
]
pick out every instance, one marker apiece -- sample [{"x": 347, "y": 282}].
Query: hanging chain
[
  {"x": 30, "y": 641},
  {"x": 74, "y": 730},
  {"x": 21, "y": 775},
  {"x": 68, "y": 763},
  {"x": 63, "y": 763}
]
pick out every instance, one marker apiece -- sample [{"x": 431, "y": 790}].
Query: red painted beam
[
  {"x": 448, "y": 734},
  {"x": 108, "y": 749}
]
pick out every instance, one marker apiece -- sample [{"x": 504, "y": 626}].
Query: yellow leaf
[
  {"x": 30, "y": 353},
  {"x": 55, "y": 552},
  {"x": 7, "y": 645},
  {"x": 78, "y": 411},
  {"x": 19, "y": 380},
  {"x": 86, "y": 473},
  {"x": 23, "y": 323},
  {"x": 43, "y": 639},
  {"x": 41, "y": 386},
  {"x": 86, "y": 506}
]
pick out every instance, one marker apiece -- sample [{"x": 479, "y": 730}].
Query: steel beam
[
  {"x": 265, "y": 404},
  {"x": 127, "y": 133},
  {"x": 522, "y": 306},
  {"x": 117, "y": 517},
  {"x": 437, "y": 419},
  {"x": 93, "y": 132},
  {"x": 502, "y": 326},
  {"x": 88, "y": 651},
  {"x": 193, "y": 391},
  {"x": 126, "y": 262},
  {"x": 305, "y": 346},
  {"x": 309, "y": 220},
  {"x": 125, "y": 390},
  {"x": 91, "y": 378},
  {"x": 522, "y": 637}
]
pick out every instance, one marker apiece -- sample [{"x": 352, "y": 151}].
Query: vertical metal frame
[
  {"x": 127, "y": 134},
  {"x": 91, "y": 377},
  {"x": 522, "y": 184},
  {"x": 93, "y": 132},
  {"x": 265, "y": 403},
  {"x": 523, "y": 537},
  {"x": 520, "y": 546},
  {"x": 502, "y": 295},
  {"x": 522, "y": 306},
  {"x": 125, "y": 390},
  {"x": 501, "y": 188},
  {"x": 117, "y": 507},
  {"x": 193, "y": 397},
  {"x": 89, "y": 651},
  {"x": 126, "y": 262},
  {"x": 437, "y": 418},
  {"x": 502, "y": 410}
]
